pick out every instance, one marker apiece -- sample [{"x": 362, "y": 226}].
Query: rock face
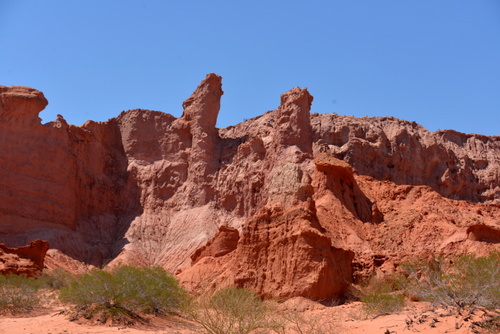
[
  {"x": 287, "y": 204},
  {"x": 456, "y": 165},
  {"x": 280, "y": 254},
  {"x": 59, "y": 182},
  {"x": 27, "y": 260}
]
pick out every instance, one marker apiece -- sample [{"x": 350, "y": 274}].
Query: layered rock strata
[
  {"x": 288, "y": 203},
  {"x": 456, "y": 165}
]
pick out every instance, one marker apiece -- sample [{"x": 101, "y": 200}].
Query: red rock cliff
[{"x": 306, "y": 202}]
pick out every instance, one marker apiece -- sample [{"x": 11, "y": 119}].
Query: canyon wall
[
  {"x": 288, "y": 203},
  {"x": 456, "y": 165}
]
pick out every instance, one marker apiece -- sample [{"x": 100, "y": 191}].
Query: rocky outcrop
[
  {"x": 283, "y": 251},
  {"x": 21, "y": 105},
  {"x": 200, "y": 113},
  {"x": 286, "y": 253},
  {"x": 485, "y": 233},
  {"x": 288, "y": 203},
  {"x": 59, "y": 182},
  {"x": 24, "y": 260},
  {"x": 223, "y": 243},
  {"x": 456, "y": 165},
  {"x": 293, "y": 126},
  {"x": 336, "y": 177}
]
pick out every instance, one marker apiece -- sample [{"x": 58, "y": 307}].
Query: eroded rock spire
[
  {"x": 200, "y": 112},
  {"x": 293, "y": 120}
]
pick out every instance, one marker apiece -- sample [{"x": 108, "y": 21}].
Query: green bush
[
  {"x": 56, "y": 279},
  {"x": 18, "y": 293},
  {"x": 123, "y": 294},
  {"x": 383, "y": 303},
  {"x": 460, "y": 282},
  {"x": 230, "y": 311},
  {"x": 381, "y": 296}
]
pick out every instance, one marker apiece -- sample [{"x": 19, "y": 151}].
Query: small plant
[
  {"x": 230, "y": 311},
  {"x": 123, "y": 294},
  {"x": 56, "y": 279},
  {"x": 18, "y": 293},
  {"x": 295, "y": 323},
  {"x": 490, "y": 324},
  {"x": 460, "y": 282},
  {"x": 381, "y": 296},
  {"x": 383, "y": 303}
]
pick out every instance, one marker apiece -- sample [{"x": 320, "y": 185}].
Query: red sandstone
[{"x": 288, "y": 203}]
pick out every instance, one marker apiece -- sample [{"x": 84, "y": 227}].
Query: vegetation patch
[
  {"x": 230, "y": 311},
  {"x": 381, "y": 296},
  {"x": 123, "y": 295},
  {"x": 462, "y": 282},
  {"x": 19, "y": 294},
  {"x": 126, "y": 294},
  {"x": 56, "y": 279}
]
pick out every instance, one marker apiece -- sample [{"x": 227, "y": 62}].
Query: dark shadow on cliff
[
  {"x": 341, "y": 183},
  {"x": 105, "y": 223}
]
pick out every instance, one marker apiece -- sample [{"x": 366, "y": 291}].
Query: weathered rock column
[
  {"x": 200, "y": 112},
  {"x": 293, "y": 124}
]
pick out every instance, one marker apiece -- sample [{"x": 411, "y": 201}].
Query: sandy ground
[
  {"x": 53, "y": 322},
  {"x": 349, "y": 318}
]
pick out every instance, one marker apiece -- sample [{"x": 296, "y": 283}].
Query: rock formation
[
  {"x": 456, "y": 165},
  {"x": 288, "y": 203},
  {"x": 27, "y": 260}
]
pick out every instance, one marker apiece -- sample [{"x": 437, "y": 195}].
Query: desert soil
[{"x": 348, "y": 318}]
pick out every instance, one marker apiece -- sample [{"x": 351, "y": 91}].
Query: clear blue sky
[{"x": 436, "y": 62}]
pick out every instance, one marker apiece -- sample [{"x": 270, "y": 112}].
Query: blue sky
[{"x": 436, "y": 62}]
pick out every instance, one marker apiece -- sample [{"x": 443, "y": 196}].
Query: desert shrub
[
  {"x": 489, "y": 324},
  {"x": 460, "y": 282},
  {"x": 56, "y": 279},
  {"x": 293, "y": 322},
  {"x": 230, "y": 311},
  {"x": 383, "y": 303},
  {"x": 381, "y": 296},
  {"x": 123, "y": 294},
  {"x": 18, "y": 293}
]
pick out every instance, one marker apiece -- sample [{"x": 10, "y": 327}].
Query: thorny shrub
[
  {"x": 19, "y": 293},
  {"x": 123, "y": 294},
  {"x": 381, "y": 295},
  {"x": 459, "y": 282},
  {"x": 230, "y": 311},
  {"x": 56, "y": 279}
]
